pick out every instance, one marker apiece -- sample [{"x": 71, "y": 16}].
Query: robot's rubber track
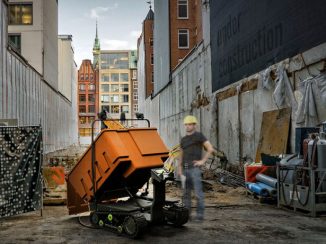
[{"x": 131, "y": 225}]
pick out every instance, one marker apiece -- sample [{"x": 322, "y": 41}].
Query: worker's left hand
[{"x": 198, "y": 162}]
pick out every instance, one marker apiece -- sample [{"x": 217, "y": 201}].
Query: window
[
  {"x": 134, "y": 74},
  {"x": 85, "y": 131},
  {"x": 124, "y": 88},
  {"x": 91, "y": 119},
  {"x": 107, "y": 108},
  {"x": 21, "y": 14},
  {"x": 15, "y": 41},
  {"x": 135, "y": 96},
  {"x": 105, "y": 78},
  {"x": 91, "y": 77},
  {"x": 91, "y": 109},
  {"x": 114, "y": 88},
  {"x": 82, "y": 120},
  {"x": 136, "y": 107},
  {"x": 152, "y": 59},
  {"x": 115, "y": 77},
  {"x": 115, "y": 98},
  {"x": 82, "y": 77},
  {"x": 105, "y": 88},
  {"x": 86, "y": 77},
  {"x": 124, "y": 77},
  {"x": 124, "y": 98},
  {"x": 151, "y": 41},
  {"x": 115, "y": 60},
  {"x": 115, "y": 109},
  {"x": 183, "y": 38},
  {"x": 82, "y": 109},
  {"x": 91, "y": 87},
  {"x": 105, "y": 98},
  {"x": 182, "y": 9},
  {"x": 152, "y": 77},
  {"x": 135, "y": 85},
  {"x": 82, "y": 87},
  {"x": 82, "y": 98},
  {"x": 91, "y": 98},
  {"x": 125, "y": 108}
]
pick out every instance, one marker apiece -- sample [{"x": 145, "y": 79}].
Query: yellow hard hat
[{"x": 189, "y": 119}]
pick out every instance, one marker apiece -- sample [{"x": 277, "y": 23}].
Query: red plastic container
[{"x": 252, "y": 170}]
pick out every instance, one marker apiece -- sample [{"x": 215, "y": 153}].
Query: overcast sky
[{"x": 119, "y": 24}]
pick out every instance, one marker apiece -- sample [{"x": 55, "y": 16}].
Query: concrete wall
[
  {"x": 161, "y": 45},
  {"x": 25, "y": 96},
  {"x": 180, "y": 98},
  {"x": 219, "y": 121}
]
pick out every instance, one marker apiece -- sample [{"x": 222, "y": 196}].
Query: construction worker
[{"x": 191, "y": 158}]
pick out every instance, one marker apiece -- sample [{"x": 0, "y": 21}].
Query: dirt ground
[{"x": 231, "y": 217}]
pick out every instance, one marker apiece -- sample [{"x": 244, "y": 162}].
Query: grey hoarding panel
[{"x": 248, "y": 36}]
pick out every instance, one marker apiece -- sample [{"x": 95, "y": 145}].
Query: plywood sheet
[{"x": 274, "y": 132}]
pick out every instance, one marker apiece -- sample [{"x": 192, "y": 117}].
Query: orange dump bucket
[{"x": 123, "y": 159}]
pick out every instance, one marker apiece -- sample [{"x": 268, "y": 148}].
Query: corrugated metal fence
[{"x": 25, "y": 96}]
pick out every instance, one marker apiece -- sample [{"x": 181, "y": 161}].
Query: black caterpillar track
[{"x": 129, "y": 224}]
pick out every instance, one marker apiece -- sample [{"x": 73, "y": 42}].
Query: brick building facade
[
  {"x": 185, "y": 28},
  {"x": 87, "y": 97}
]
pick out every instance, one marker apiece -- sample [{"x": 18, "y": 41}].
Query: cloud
[
  {"x": 97, "y": 12},
  {"x": 135, "y": 33},
  {"x": 115, "y": 44}
]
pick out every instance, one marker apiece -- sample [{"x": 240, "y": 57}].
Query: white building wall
[
  {"x": 66, "y": 66},
  {"x": 31, "y": 35},
  {"x": 50, "y": 44},
  {"x": 39, "y": 44},
  {"x": 25, "y": 96},
  {"x": 141, "y": 76}
]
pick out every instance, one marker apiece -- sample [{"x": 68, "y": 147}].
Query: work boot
[{"x": 199, "y": 219}]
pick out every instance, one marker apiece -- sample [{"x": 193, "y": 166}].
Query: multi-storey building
[
  {"x": 30, "y": 93},
  {"x": 32, "y": 32},
  {"x": 133, "y": 83},
  {"x": 145, "y": 61},
  {"x": 115, "y": 83},
  {"x": 87, "y": 99},
  {"x": 148, "y": 42},
  {"x": 185, "y": 25},
  {"x": 178, "y": 29}
]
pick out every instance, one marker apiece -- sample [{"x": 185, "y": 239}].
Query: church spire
[
  {"x": 96, "y": 30},
  {"x": 97, "y": 45},
  {"x": 96, "y": 48}
]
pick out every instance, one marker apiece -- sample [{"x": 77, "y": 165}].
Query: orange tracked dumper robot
[{"x": 118, "y": 163}]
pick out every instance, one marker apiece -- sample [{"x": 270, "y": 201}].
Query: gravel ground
[{"x": 231, "y": 217}]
